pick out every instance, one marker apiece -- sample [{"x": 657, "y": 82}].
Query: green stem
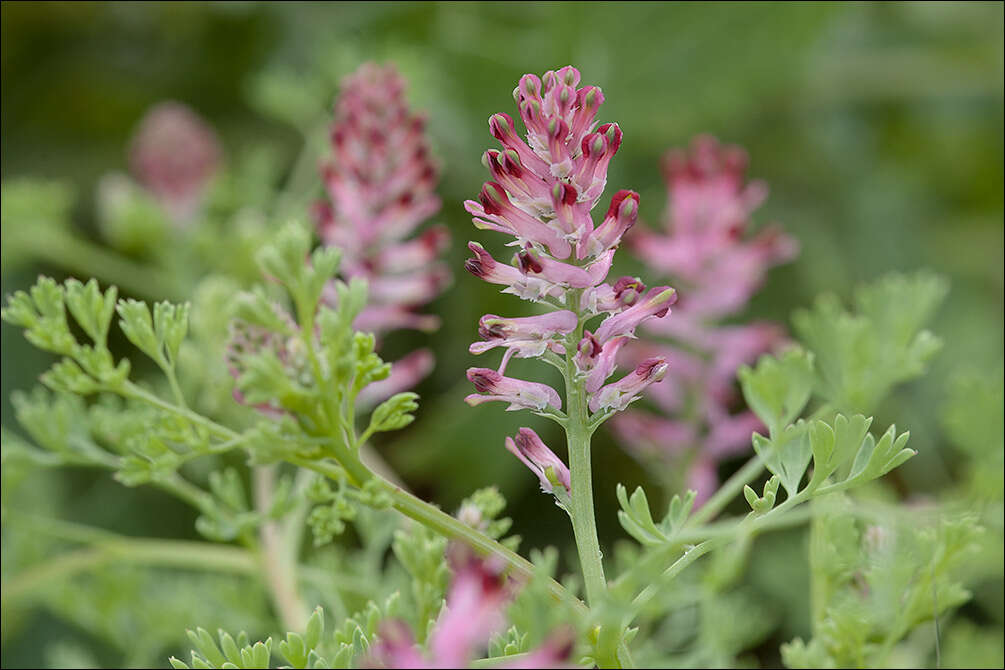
[
  {"x": 406, "y": 503},
  {"x": 609, "y": 650},
  {"x": 111, "y": 548},
  {"x": 154, "y": 553},
  {"x": 584, "y": 522},
  {"x": 578, "y": 433},
  {"x": 749, "y": 526},
  {"x": 689, "y": 557},
  {"x": 732, "y": 486},
  {"x": 439, "y": 521},
  {"x": 729, "y": 490},
  {"x": 131, "y": 390},
  {"x": 278, "y": 561},
  {"x": 183, "y": 489}
]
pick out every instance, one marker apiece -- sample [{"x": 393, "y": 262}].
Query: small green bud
[{"x": 394, "y": 413}]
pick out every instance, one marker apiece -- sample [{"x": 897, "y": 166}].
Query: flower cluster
[
  {"x": 174, "y": 154},
  {"x": 474, "y": 612},
  {"x": 542, "y": 192},
  {"x": 708, "y": 253},
  {"x": 247, "y": 339},
  {"x": 381, "y": 184}
]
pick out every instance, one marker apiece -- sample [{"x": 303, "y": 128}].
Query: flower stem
[
  {"x": 578, "y": 434},
  {"x": 181, "y": 554},
  {"x": 278, "y": 559},
  {"x": 107, "y": 548},
  {"x": 727, "y": 492},
  {"x": 437, "y": 520},
  {"x": 584, "y": 522},
  {"x": 428, "y": 515}
]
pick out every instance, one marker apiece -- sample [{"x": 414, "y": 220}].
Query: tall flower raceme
[
  {"x": 174, "y": 154},
  {"x": 544, "y": 187},
  {"x": 474, "y": 611},
  {"x": 380, "y": 182},
  {"x": 706, "y": 248}
]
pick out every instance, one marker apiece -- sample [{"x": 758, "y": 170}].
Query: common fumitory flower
[
  {"x": 516, "y": 282},
  {"x": 598, "y": 360},
  {"x": 496, "y": 212},
  {"x": 541, "y": 460},
  {"x": 524, "y": 337},
  {"x": 473, "y": 612},
  {"x": 545, "y": 185},
  {"x": 174, "y": 154},
  {"x": 621, "y": 393},
  {"x": 381, "y": 184},
  {"x": 520, "y": 394},
  {"x": 621, "y": 216},
  {"x": 706, "y": 249},
  {"x": 248, "y": 339},
  {"x": 606, "y": 298},
  {"x": 656, "y": 303}
]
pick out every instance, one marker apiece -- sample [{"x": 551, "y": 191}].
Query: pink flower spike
[
  {"x": 541, "y": 460},
  {"x": 623, "y": 392},
  {"x": 656, "y": 304},
  {"x": 474, "y": 609},
  {"x": 380, "y": 181},
  {"x": 707, "y": 246},
  {"x": 519, "y": 393},
  {"x": 621, "y": 216},
  {"x": 174, "y": 154}
]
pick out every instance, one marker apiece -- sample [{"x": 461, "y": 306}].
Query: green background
[{"x": 877, "y": 126}]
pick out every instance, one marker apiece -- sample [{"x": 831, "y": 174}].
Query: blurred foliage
[{"x": 877, "y": 126}]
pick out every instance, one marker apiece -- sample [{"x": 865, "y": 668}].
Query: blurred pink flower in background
[
  {"x": 707, "y": 250},
  {"x": 474, "y": 611},
  {"x": 174, "y": 153},
  {"x": 381, "y": 184}
]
